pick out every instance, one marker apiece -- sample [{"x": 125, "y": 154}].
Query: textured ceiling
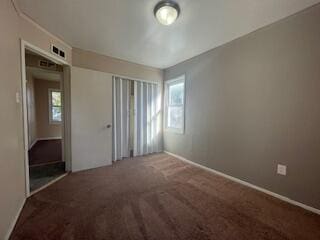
[{"x": 127, "y": 29}]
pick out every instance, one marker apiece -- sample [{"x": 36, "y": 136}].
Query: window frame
[
  {"x": 168, "y": 83},
  {"x": 50, "y": 91}
]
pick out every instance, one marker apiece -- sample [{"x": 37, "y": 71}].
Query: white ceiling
[{"x": 127, "y": 29}]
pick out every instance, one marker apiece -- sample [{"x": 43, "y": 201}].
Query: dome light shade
[{"x": 167, "y": 12}]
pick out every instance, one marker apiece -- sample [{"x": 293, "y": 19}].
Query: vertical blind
[
  {"x": 147, "y": 121},
  {"x": 147, "y": 118},
  {"x": 121, "y": 120}
]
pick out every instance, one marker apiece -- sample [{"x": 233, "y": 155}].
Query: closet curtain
[
  {"x": 147, "y": 119},
  {"x": 121, "y": 118}
]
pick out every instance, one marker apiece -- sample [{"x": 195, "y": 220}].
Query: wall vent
[
  {"x": 47, "y": 64},
  {"x": 62, "y": 54},
  {"x": 58, "y": 52}
]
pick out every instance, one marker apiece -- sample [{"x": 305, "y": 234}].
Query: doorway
[{"x": 46, "y": 113}]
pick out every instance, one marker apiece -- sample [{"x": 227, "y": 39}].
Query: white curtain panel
[
  {"x": 121, "y": 120},
  {"x": 147, "y": 119}
]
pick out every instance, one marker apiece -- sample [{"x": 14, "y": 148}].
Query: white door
[{"x": 91, "y": 118}]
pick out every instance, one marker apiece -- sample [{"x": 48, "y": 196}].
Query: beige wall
[
  {"x": 11, "y": 141},
  {"x": 254, "y": 103},
  {"x": 39, "y": 37},
  {"x": 94, "y": 61},
  {"x": 12, "y": 28},
  {"x": 32, "y": 121},
  {"x": 44, "y": 128}
]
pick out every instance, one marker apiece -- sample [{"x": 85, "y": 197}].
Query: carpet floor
[
  {"x": 45, "y": 151},
  {"x": 158, "y": 197}
]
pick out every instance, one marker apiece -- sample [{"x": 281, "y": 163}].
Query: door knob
[{"x": 108, "y": 126}]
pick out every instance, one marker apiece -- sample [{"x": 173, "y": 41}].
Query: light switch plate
[
  {"x": 17, "y": 97},
  {"x": 282, "y": 169}
]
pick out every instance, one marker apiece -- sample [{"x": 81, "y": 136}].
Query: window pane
[
  {"x": 175, "y": 117},
  {"x": 56, "y": 114},
  {"x": 176, "y": 94},
  {"x": 56, "y": 98}
]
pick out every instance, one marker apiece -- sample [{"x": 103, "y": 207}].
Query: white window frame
[
  {"x": 180, "y": 79},
  {"x": 50, "y": 90}
]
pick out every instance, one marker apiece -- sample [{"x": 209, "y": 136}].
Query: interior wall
[
  {"x": 11, "y": 141},
  {"x": 254, "y": 103},
  {"x": 38, "y": 36},
  {"x": 90, "y": 60},
  {"x": 102, "y": 63},
  {"x": 12, "y": 28},
  {"x": 32, "y": 120},
  {"x": 44, "y": 128}
]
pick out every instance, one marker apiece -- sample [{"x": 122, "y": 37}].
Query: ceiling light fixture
[{"x": 166, "y": 12}]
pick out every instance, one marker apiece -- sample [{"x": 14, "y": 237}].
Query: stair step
[{"x": 46, "y": 170}]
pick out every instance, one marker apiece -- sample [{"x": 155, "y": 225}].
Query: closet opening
[{"x": 136, "y": 118}]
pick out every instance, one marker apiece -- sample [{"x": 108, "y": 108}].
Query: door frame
[{"x": 66, "y": 66}]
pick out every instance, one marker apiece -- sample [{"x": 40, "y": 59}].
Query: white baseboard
[
  {"x": 13, "y": 223},
  {"x": 40, "y": 139},
  {"x": 33, "y": 143},
  {"x": 276, "y": 195},
  {"x": 49, "y": 138}
]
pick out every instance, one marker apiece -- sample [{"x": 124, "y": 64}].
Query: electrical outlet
[{"x": 282, "y": 169}]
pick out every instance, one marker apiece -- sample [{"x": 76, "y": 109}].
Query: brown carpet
[
  {"x": 159, "y": 197},
  {"x": 45, "y": 151}
]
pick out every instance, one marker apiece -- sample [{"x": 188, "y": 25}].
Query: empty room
[{"x": 160, "y": 120}]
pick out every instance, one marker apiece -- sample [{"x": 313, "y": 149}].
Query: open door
[{"x": 91, "y": 113}]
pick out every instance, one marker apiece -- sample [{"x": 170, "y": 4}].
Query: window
[
  {"x": 55, "y": 107},
  {"x": 174, "y": 102}
]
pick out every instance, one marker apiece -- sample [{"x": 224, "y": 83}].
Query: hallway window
[
  {"x": 55, "y": 107},
  {"x": 174, "y": 102}
]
